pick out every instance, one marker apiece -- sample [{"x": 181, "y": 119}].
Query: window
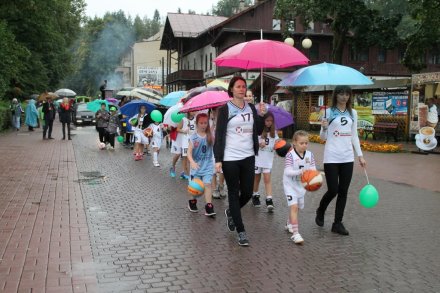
[
  {"x": 314, "y": 51},
  {"x": 359, "y": 55},
  {"x": 201, "y": 62},
  {"x": 276, "y": 24},
  {"x": 434, "y": 56},
  {"x": 210, "y": 61},
  {"x": 194, "y": 63},
  {"x": 382, "y": 55},
  {"x": 401, "y": 54},
  {"x": 206, "y": 62}
]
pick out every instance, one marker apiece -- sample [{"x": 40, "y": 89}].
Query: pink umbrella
[
  {"x": 261, "y": 54},
  {"x": 206, "y": 100}
]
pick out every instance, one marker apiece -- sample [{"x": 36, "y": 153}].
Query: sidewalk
[{"x": 44, "y": 241}]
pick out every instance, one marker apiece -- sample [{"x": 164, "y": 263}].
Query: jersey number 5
[{"x": 344, "y": 121}]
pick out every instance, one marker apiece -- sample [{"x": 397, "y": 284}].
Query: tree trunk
[{"x": 339, "y": 40}]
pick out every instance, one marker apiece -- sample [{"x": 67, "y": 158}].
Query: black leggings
[
  {"x": 338, "y": 177},
  {"x": 239, "y": 176},
  {"x": 110, "y": 138},
  {"x": 101, "y": 131}
]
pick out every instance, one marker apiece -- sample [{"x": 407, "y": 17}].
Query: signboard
[
  {"x": 362, "y": 105},
  {"x": 149, "y": 75},
  {"x": 391, "y": 103}
]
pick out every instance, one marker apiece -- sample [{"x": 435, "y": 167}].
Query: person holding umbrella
[
  {"x": 66, "y": 117},
  {"x": 236, "y": 144},
  {"x": 339, "y": 129},
  {"x": 49, "y": 117}
]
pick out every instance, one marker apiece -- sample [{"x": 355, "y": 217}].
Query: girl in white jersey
[
  {"x": 339, "y": 129},
  {"x": 264, "y": 161},
  {"x": 156, "y": 141},
  {"x": 297, "y": 160}
]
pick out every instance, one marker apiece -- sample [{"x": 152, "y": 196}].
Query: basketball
[
  {"x": 282, "y": 147},
  {"x": 311, "y": 180},
  {"x": 148, "y": 132},
  {"x": 196, "y": 187}
]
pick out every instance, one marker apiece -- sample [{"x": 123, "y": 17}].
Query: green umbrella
[{"x": 95, "y": 105}]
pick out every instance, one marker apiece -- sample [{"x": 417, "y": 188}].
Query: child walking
[
  {"x": 264, "y": 161},
  {"x": 200, "y": 159},
  {"x": 112, "y": 127},
  {"x": 139, "y": 123},
  {"x": 297, "y": 160},
  {"x": 156, "y": 141}
]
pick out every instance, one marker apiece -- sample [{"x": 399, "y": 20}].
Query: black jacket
[
  {"x": 221, "y": 127},
  {"x": 49, "y": 111},
  {"x": 65, "y": 114}
]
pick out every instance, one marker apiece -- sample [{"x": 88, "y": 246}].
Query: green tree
[
  {"x": 140, "y": 29},
  {"x": 47, "y": 28},
  {"x": 426, "y": 33},
  {"x": 13, "y": 58},
  {"x": 227, "y": 7},
  {"x": 367, "y": 26}
]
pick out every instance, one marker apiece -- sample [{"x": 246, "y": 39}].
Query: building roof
[{"x": 192, "y": 25}]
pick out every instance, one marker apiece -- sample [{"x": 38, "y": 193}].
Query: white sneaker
[
  {"x": 289, "y": 228},
  {"x": 216, "y": 194},
  {"x": 297, "y": 238},
  {"x": 223, "y": 191},
  {"x": 156, "y": 164}
]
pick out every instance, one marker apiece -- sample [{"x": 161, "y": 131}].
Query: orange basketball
[
  {"x": 282, "y": 147},
  {"x": 311, "y": 180},
  {"x": 148, "y": 132},
  {"x": 196, "y": 187}
]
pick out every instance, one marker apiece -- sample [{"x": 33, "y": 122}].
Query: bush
[{"x": 5, "y": 116}]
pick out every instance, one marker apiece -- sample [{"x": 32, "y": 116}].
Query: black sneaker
[
  {"x": 339, "y": 228},
  {"x": 269, "y": 205},
  {"x": 192, "y": 206},
  {"x": 256, "y": 200},
  {"x": 319, "y": 219},
  {"x": 229, "y": 222},
  {"x": 209, "y": 210},
  {"x": 242, "y": 239}
]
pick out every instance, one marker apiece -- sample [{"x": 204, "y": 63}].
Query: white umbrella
[
  {"x": 65, "y": 93},
  {"x": 167, "y": 116},
  {"x": 146, "y": 94}
]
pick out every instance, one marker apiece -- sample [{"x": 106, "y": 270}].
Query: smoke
[{"x": 112, "y": 44}]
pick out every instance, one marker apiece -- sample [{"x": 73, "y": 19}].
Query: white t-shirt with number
[
  {"x": 239, "y": 141},
  {"x": 191, "y": 126},
  {"x": 182, "y": 136},
  {"x": 341, "y": 136},
  {"x": 265, "y": 154},
  {"x": 156, "y": 140}
]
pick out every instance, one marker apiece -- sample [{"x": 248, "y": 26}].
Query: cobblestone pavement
[
  {"x": 76, "y": 219},
  {"x": 144, "y": 239}
]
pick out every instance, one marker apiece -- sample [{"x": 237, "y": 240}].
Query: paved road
[{"x": 140, "y": 236}]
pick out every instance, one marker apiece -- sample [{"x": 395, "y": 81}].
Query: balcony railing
[{"x": 185, "y": 75}]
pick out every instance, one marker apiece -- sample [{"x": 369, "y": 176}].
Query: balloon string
[{"x": 366, "y": 175}]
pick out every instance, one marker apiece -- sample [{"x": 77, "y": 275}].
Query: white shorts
[
  {"x": 259, "y": 170},
  {"x": 139, "y": 137},
  {"x": 177, "y": 149},
  {"x": 156, "y": 143},
  {"x": 293, "y": 199}
]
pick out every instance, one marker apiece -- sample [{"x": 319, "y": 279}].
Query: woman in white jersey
[
  {"x": 339, "y": 129},
  {"x": 236, "y": 144}
]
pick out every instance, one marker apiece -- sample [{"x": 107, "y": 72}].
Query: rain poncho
[{"x": 31, "y": 114}]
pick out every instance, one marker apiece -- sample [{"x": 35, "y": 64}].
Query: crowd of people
[{"x": 229, "y": 149}]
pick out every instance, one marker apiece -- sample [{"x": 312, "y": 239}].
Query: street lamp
[
  {"x": 289, "y": 41},
  {"x": 306, "y": 43}
]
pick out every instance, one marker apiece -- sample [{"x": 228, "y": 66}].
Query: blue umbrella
[
  {"x": 325, "y": 74},
  {"x": 132, "y": 108},
  {"x": 172, "y": 98},
  {"x": 95, "y": 105},
  {"x": 281, "y": 116}
]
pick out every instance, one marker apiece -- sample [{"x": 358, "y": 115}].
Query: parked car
[{"x": 83, "y": 115}]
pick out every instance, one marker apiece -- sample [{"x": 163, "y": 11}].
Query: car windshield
[{"x": 82, "y": 107}]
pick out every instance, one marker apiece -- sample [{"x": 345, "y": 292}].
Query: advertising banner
[{"x": 392, "y": 103}]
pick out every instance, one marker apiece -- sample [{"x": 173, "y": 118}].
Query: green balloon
[
  {"x": 369, "y": 196},
  {"x": 156, "y": 116},
  {"x": 134, "y": 121},
  {"x": 176, "y": 117},
  {"x": 120, "y": 138}
]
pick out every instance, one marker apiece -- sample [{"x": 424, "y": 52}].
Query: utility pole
[{"x": 163, "y": 75}]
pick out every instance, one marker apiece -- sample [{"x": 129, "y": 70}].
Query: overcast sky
[{"x": 147, "y": 7}]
